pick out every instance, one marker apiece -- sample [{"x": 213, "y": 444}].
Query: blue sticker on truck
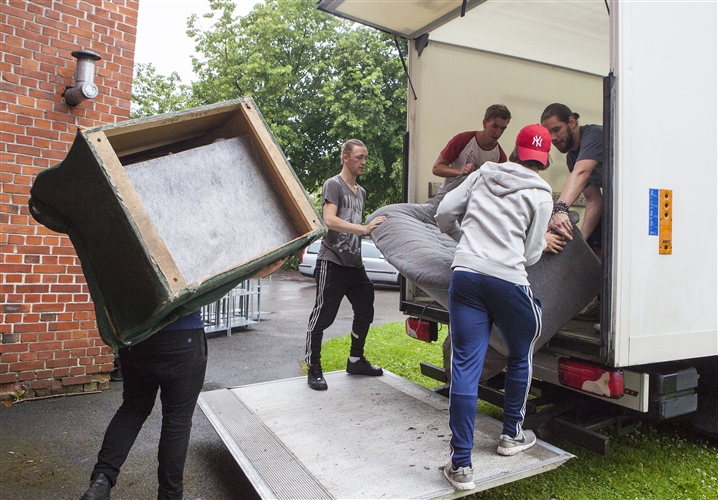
[{"x": 653, "y": 212}]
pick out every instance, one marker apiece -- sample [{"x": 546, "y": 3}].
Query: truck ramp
[{"x": 366, "y": 437}]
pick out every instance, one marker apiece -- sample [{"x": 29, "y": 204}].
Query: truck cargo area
[{"x": 365, "y": 437}]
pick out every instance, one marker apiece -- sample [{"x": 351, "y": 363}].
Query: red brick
[
  {"x": 108, "y": 358},
  {"x": 13, "y": 318},
  {"x": 86, "y": 379},
  {"x": 46, "y": 346},
  {"x": 25, "y": 376},
  {"x": 17, "y": 268},
  {"x": 31, "y": 318},
  {"x": 46, "y": 337},
  {"x": 30, "y": 327},
  {"x": 62, "y": 354},
  {"x": 79, "y": 307},
  {"x": 28, "y": 356},
  {"x": 8, "y": 378},
  {"x": 60, "y": 372},
  {"x": 69, "y": 344},
  {"x": 48, "y": 308},
  {"x": 26, "y": 365},
  {"x": 77, "y": 370},
  {"x": 63, "y": 335},
  {"x": 35, "y": 288},
  {"x": 60, "y": 363},
  {"x": 40, "y": 384},
  {"x": 13, "y": 357},
  {"x": 5, "y": 348},
  {"x": 14, "y": 308}
]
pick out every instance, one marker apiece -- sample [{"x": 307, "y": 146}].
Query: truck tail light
[
  {"x": 590, "y": 378},
  {"x": 421, "y": 329}
]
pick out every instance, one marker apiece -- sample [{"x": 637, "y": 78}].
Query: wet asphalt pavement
[{"x": 48, "y": 447}]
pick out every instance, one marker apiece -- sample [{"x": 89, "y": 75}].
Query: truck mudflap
[{"x": 366, "y": 437}]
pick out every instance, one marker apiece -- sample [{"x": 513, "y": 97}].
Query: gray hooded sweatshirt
[{"x": 506, "y": 209}]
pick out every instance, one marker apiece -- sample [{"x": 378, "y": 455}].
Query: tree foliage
[
  {"x": 153, "y": 93},
  {"x": 318, "y": 81}
]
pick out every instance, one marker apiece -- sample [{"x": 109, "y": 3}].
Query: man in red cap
[{"x": 506, "y": 208}]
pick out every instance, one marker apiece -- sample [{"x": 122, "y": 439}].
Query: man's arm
[
  {"x": 339, "y": 225},
  {"x": 442, "y": 168},
  {"x": 575, "y": 184},
  {"x": 452, "y": 207},
  {"x": 594, "y": 208}
]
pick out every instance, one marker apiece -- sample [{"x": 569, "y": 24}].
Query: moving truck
[{"x": 647, "y": 72}]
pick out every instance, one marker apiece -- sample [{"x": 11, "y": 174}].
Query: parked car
[{"x": 377, "y": 267}]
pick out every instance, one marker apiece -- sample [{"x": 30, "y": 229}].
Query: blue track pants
[{"x": 476, "y": 302}]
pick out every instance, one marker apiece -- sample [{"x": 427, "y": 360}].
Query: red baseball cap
[{"x": 534, "y": 143}]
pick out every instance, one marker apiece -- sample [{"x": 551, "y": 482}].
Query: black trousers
[
  {"x": 334, "y": 282},
  {"x": 173, "y": 362}
]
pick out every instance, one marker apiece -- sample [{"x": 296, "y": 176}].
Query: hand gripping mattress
[{"x": 411, "y": 241}]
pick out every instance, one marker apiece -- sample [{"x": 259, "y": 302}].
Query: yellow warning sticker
[{"x": 665, "y": 222}]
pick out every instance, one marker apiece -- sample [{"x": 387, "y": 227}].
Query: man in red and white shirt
[{"x": 467, "y": 151}]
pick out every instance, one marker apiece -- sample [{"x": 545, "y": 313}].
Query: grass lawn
[{"x": 661, "y": 461}]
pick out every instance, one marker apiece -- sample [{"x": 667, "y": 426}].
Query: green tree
[
  {"x": 367, "y": 99},
  {"x": 318, "y": 81},
  {"x": 153, "y": 93}
]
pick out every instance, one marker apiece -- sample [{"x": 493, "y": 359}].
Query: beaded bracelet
[{"x": 560, "y": 207}]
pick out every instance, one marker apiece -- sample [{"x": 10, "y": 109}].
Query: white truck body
[{"x": 659, "y": 100}]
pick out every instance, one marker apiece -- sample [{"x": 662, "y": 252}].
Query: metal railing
[{"x": 239, "y": 308}]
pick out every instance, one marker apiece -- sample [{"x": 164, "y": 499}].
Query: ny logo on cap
[{"x": 537, "y": 141}]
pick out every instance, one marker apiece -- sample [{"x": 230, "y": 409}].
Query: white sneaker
[
  {"x": 511, "y": 446},
  {"x": 461, "y": 478}
]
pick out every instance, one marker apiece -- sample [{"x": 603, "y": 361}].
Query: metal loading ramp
[{"x": 366, "y": 437}]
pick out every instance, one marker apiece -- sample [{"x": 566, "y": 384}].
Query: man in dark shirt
[
  {"x": 583, "y": 146},
  {"x": 172, "y": 361},
  {"x": 340, "y": 271}
]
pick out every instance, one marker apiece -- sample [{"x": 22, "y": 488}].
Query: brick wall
[{"x": 50, "y": 343}]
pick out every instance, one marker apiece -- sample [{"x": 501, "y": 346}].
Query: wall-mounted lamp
[{"x": 84, "y": 77}]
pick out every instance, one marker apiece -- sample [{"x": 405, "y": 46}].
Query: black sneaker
[
  {"x": 315, "y": 378},
  {"x": 99, "y": 488},
  {"x": 363, "y": 367}
]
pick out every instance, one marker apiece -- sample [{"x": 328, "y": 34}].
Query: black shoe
[
  {"x": 363, "y": 367},
  {"x": 99, "y": 488},
  {"x": 315, "y": 378}
]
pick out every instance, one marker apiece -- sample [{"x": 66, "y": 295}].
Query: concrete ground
[{"x": 48, "y": 447}]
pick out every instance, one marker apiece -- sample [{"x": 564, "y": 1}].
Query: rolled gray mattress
[{"x": 411, "y": 241}]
